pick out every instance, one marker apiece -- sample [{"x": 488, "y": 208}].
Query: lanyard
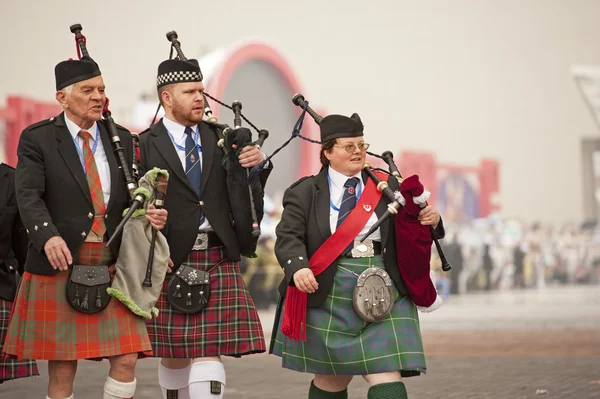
[
  {"x": 80, "y": 152},
  {"x": 195, "y": 137},
  {"x": 358, "y": 193}
]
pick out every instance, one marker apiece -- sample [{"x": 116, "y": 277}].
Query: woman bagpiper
[{"x": 331, "y": 327}]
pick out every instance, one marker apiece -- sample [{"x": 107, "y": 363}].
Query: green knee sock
[
  {"x": 316, "y": 393},
  {"x": 389, "y": 390}
]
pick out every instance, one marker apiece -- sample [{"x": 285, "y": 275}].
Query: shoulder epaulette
[
  {"x": 143, "y": 131},
  {"x": 119, "y": 127},
  {"x": 214, "y": 124},
  {"x": 300, "y": 181},
  {"x": 41, "y": 123},
  {"x": 3, "y": 165}
]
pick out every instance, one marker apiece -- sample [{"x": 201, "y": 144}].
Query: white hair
[{"x": 65, "y": 91}]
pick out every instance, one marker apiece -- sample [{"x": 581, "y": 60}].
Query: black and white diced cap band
[{"x": 176, "y": 77}]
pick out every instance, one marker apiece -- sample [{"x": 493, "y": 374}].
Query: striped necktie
[
  {"x": 193, "y": 167},
  {"x": 95, "y": 185}
]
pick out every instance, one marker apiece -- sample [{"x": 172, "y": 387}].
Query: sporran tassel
[
  {"x": 76, "y": 300},
  {"x": 98, "y": 299},
  {"x": 84, "y": 304}
]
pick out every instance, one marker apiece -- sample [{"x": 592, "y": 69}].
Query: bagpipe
[
  {"x": 136, "y": 283},
  {"x": 246, "y": 192},
  {"x": 413, "y": 240}
]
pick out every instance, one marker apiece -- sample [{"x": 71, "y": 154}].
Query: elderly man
[
  {"x": 71, "y": 193},
  {"x": 201, "y": 238}
]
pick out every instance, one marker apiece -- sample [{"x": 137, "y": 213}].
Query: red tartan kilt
[
  {"x": 12, "y": 368},
  {"x": 45, "y": 327},
  {"x": 228, "y": 326}
]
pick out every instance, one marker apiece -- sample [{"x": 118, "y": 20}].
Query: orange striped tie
[{"x": 93, "y": 179}]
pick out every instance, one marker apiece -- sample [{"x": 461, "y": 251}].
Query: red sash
[{"x": 293, "y": 324}]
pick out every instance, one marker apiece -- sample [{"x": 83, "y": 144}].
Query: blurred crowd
[
  {"x": 500, "y": 254},
  {"x": 486, "y": 254}
]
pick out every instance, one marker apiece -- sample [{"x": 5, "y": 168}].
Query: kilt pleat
[
  {"x": 228, "y": 326},
  {"x": 45, "y": 327},
  {"x": 11, "y": 369},
  {"x": 339, "y": 342}
]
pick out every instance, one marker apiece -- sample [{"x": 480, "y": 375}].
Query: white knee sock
[
  {"x": 114, "y": 389},
  {"x": 207, "y": 380},
  {"x": 174, "y": 379}
]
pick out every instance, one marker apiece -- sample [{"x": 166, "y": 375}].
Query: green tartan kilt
[{"x": 339, "y": 342}]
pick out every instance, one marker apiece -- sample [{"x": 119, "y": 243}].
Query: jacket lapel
[
  {"x": 208, "y": 140},
  {"x": 4, "y": 182},
  {"x": 66, "y": 148},
  {"x": 380, "y": 209},
  {"x": 115, "y": 169},
  {"x": 321, "y": 201},
  {"x": 165, "y": 147}
]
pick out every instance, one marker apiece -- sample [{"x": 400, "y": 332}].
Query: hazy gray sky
[{"x": 466, "y": 79}]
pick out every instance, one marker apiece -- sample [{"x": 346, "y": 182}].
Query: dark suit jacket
[
  {"x": 13, "y": 239},
  {"x": 52, "y": 191},
  {"x": 304, "y": 227},
  {"x": 181, "y": 201}
]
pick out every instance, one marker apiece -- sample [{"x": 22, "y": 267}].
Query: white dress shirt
[
  {"x": 99, "y": 155},
  {"x": 336, "y": 192},
  {"x": 178, "y": 137}
]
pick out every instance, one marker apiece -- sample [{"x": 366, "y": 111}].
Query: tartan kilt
[
  {"x": 228, "y": 326},
  {"x": 339, "y": 342},
  {"x": 45, "y": 327},
  {"x": 11, "y": 369}
]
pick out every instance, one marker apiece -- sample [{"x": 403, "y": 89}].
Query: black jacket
[
  {"x": 304, "y": 227},
  {"x": 182, "y": 202},
  {"x": 52, "y": 191},
  {"x": 13, "y": 239}
]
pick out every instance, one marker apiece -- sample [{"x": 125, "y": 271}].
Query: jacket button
[
  {"x": 83, "y": 234},
  {"x": 201, "y": 203},
  {"x": 383, "y": 252},
  {"x": 90, "y": 215}
]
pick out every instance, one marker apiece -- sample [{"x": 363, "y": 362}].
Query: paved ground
[{"x": 513, "y": 345}]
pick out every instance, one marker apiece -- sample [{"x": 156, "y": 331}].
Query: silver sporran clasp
[
  {"x": 363, "y": 249},
  {"x": 373, "y": 297}
]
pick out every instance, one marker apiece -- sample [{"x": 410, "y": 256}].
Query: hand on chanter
[
  {"x": 250, "y": 156},
  {"x": 156, "y": 217},
  {"x": 429, "y": 216},
  {"x": 305, "y": 281}
]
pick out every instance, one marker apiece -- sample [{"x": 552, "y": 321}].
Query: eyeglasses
[{"x": 350, "y": 148}]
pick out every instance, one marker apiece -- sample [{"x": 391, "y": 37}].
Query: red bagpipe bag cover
[{"x": 413, "y": 246}]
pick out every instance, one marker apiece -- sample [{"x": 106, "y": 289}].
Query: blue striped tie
[
  {"x": 193, "y": 167},
  {"x": 348, "y": 203}
]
